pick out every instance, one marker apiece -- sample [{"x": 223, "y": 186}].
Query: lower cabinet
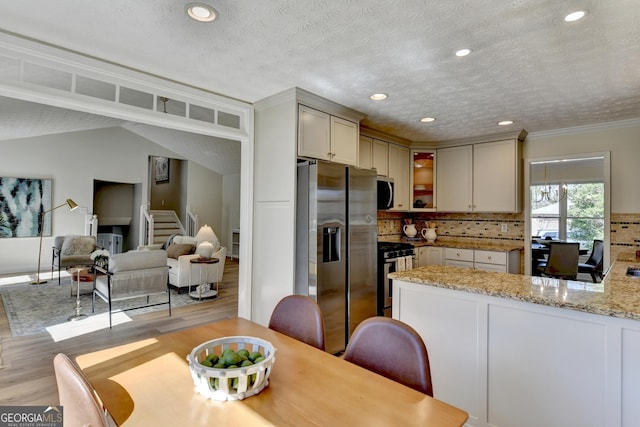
[
  {"x": 524, "y": 364},
  {"x": 499, "y": 261},
  {"x": 429, "y": 255}
]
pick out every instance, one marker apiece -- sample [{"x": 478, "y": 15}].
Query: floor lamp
[{"x": 72, "y": 205}]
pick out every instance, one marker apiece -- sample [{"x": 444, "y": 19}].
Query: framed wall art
[
  {"x": 161, "y": 169},
  {"x": 22, "y": 201}
]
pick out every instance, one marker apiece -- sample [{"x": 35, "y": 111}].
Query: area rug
[{"x": 32, "y": 309}]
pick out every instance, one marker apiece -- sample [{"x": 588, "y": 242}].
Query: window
[{"x": 575, "y": 212}]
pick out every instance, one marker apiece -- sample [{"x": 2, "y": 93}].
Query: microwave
[{"x": 385, "y": 193}]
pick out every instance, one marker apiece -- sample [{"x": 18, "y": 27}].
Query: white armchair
[{"x": 179, "y": 254}]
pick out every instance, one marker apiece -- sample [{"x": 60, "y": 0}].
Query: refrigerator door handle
[{"x": 330, "y": 244}]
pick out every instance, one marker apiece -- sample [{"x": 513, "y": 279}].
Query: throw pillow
[
  {"x": 78, "y": 245},
  {"x": 177, "y": 249}
]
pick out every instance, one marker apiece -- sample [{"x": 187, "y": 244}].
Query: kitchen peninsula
[{"x": 528, "y": 351}]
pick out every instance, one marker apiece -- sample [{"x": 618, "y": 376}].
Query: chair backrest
[
  {"x": 299, "y": 317},
  {"x": 77, "y": 397},
  {"x": 563, "y": 260},
  {"x": 136, "y": 273},
  {"x": 393, "y": 349},
  {"x": 597, "y": 255}
]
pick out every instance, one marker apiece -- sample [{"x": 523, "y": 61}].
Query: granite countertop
[
  {"x": 618, "y": 295},
  {"x": 443, "y": 243}
]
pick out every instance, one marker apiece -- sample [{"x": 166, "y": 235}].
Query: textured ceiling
[{"x": 527, "y": 64}]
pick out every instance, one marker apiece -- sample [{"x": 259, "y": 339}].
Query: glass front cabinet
[{"x": 423, "y": 176}]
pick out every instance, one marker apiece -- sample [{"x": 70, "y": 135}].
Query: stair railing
[
  {"x": 146, "y": 225},
  {"x": 193, "y": 223}
]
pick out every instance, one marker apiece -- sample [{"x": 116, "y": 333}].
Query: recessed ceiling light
[
  {"x": 428, "y": 119},
  {"x": 574, "y": 16},
  {"x": 201, "y": 12},
  {"x": 505, "y": 123},
  {"x": 463, "y": 52},
  {"x": 378, "y": 96}
]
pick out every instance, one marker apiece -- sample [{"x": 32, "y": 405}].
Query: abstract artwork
[
  {"x": 22, "y": 201},
  {"x": 162, "y": 169}
]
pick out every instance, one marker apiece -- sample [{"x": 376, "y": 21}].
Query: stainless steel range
[{"x": 388, "y": 255}]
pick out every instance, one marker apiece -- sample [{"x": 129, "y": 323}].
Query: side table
[
  {"x": 203, "y": 290},
  {"x": 78, "y": 315}
]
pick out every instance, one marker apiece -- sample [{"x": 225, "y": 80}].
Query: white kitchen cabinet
[
  {"x": 485, "y": 177},
  {"x": 399, "y": 161},
  {"x": 521, "y": 362},
  {"x": 454, "y": 179},
  {"x": 422, "y": 185},
  {"x": 429, "y": 255},
  {"x": 500, "y": 261},
  {"x": 497, "y": 172},
  {"x": 365, "y": 152},
  {"x": 458, "y": 257},
  {"x": 326, "y": 137},
  {"x": 381, "y": 157},
  {"x": 507, "y": 261}
]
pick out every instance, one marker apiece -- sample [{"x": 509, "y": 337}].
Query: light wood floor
[{"x": 27, "y": 377}]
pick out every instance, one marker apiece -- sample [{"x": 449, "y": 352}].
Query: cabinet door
[
  {"x": 314, "y": 133},
  {"x": 381, "y": 157},
  {"x": 422, "y": 183},
  {"x": 496, "y": 177},
  {"x": 344, "y": 141},
  {"x": 365, "y": 153},
  {"x": 399, "y": 170},
  {"x": 434, "y": 256},
  {"x": 453, "y": 179}
]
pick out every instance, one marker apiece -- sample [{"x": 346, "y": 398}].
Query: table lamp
[
  {"x": 72, "y": 206},
  {"x": 205, "y": 238}
]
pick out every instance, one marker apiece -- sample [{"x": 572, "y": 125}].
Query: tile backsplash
[
  {"x": 457, "y": 226},
  {"x": 624, "y": 235}
]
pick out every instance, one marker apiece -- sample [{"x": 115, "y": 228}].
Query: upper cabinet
[
  {"x": 380, "y": 157},
  {"x": 422, "y": 186},
  {"x": 485, "y": 177},
  {"x": 365, "y": 153},
  {"x": 399, "y": 160},
  {"x": 327, "y": 137}
]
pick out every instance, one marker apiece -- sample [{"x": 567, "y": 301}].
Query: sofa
[{"x": 180, "y": 250}]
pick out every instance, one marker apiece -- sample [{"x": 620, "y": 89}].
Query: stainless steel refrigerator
[{"x": 336, "y": 238}]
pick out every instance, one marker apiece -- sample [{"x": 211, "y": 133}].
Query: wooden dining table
[{"x": 148, "y": 383}]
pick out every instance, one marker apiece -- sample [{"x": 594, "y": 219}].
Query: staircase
[{"x": 165, "y": 224}]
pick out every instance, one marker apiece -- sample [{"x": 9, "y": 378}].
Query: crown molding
[{"x": 584, "y": 129}]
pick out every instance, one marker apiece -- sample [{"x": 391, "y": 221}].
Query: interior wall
[
  {"x": 622, "y": 140},
  {"x": 230, "y": 207},
  {"x": 72, "y": 160},
  {"x": 166, "y": 195},
  {"x": 204, "y": 195}
]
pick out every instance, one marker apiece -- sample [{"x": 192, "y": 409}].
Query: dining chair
[
  {"x": 392, "y": 349},
  {"x": 593, "y": 265},
  {"x": 77, "y": 397},
  {"x": 299, "y": 317},
  {"x": 562, "y": 262}
]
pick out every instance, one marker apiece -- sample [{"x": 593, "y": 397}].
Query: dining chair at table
[
  {"x": 593, "y": 265},
  {"x": 80, "y": 404},
  {"x": 562, "y": 262},
  {"x": 392, "y": 349},
  {"x": 299, "y": 317}
]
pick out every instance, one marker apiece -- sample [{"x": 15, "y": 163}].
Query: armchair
[
  {"x": 130, "y": 275},
  {"x": 180, "y": 252},
  {"x": 72, "y": 251}
]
